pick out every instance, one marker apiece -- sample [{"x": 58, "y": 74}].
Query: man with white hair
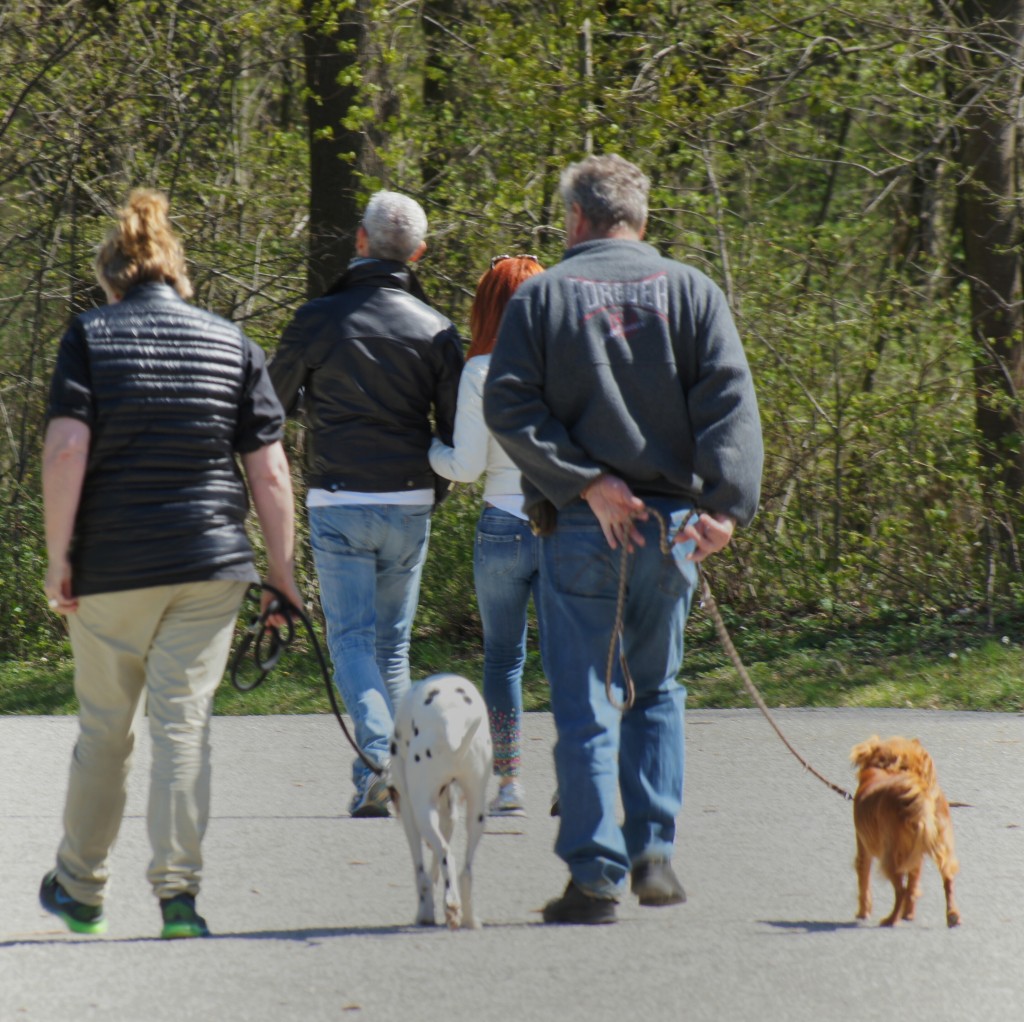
[{"x": 371, "y": 364}]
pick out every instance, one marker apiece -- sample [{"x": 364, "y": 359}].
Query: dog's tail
[
  {"x": 896, "y": 796},
  {"x": 462, "y": 731},
  {"x": 460, "y": 711},
  {"x": 928, "y": 811}
]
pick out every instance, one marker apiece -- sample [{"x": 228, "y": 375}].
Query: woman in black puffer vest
[{"x": 152, "y": 403}]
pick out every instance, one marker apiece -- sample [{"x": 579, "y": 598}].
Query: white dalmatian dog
[{"x": 441, "y": 738}]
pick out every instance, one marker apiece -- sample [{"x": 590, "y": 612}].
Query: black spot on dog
[
  {"x": 480, "y": 818},
  {"x": 417, "y": 757},
  {"x": 394, "y": 749},
  {"x": 428, "y": 755},
  {"x": 415, "y": 731},
  {"x": 430, "y": 696}
]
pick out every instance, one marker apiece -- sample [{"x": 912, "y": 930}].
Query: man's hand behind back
[
  {"x": 709, "y": 533},
  {"x": 617, "y": 509}
]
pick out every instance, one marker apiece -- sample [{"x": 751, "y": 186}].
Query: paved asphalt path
[{"x": 312, "y": 910}]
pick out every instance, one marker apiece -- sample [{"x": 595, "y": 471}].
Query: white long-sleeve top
[{"x": 475, "y": 452}]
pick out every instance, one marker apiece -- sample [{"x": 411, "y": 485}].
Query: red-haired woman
[{"x": 505, "y": 552}]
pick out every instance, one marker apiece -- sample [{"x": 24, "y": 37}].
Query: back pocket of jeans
[
  {"x": 497, "y": 555},
  {"x": 584, "y": 564},
  {"x": 677, "y": 575}
]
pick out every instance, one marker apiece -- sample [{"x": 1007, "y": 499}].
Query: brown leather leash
[
  {"x": 616, "y": 640},
  {"x": 710, "y": 606}
]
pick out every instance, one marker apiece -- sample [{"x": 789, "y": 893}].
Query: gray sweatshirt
[{"x": 619, "y": 360}]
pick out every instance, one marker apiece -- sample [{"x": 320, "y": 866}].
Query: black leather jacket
[
  {"x": 170, "y": 393},
  {"x": 371, "y": 364}
]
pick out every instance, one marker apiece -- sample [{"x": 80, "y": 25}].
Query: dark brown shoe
[
  {"x": 576, "y": 907},
  {"x": 655, "y": 883}
]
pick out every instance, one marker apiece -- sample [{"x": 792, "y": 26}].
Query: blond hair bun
[{"x": 143, "y": 247}]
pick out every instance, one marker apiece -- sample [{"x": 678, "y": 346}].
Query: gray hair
[
  {"x": 395, "y": 226},
  {"x": 609, "y": 190}
]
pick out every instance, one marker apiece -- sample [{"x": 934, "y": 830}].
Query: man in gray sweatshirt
[{"x": 619, "y": 386}]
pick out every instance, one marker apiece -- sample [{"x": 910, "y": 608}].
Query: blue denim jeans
[
  {"x": 369, "y": 561},
  {"x": 601, "y": 752},
  {"x": 505, "y": 572}
]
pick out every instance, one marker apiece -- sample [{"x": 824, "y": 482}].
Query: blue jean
[
  {"x": 505, "y": 572},
  {"x": 601, "y": 752},
  {"x": 369, "y": 561}
]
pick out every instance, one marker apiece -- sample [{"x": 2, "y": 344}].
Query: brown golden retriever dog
[{"x": 900, "y": 815}]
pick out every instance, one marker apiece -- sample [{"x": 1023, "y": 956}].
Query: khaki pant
[{"x": 171, "y": 643}]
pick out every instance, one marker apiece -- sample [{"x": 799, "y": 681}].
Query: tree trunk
[
  {"x": 332, "y": 42},
  {"x": 988, "y": 51},
  {"x": 440, "y": 90}
]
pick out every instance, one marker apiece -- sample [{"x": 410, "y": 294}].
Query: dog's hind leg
[
  {"x": 863, "y": 867},
  {"x": 945, "y": 858},
  {"x": 446, "y": 825},
  {"x": 476, "y": 802},
  {"x": 428, "y": 817},
  {"x": 901, "y": 890},
  {"x": 913, "y": 892},
  {"x": 952, "y": 912},
  {"x": 447, "y": 811},
  {"x": 424, "y": 886}
]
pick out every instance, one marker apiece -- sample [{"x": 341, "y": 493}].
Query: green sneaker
[
  {"x": 181, "y": 918},
  {"x": 76, "y": 916}
]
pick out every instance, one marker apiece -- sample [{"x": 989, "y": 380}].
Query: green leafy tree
[{"x": 846, "y": 173}]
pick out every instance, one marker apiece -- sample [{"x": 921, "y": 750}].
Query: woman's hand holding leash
[
  {"x": 268, "y": 641},
  {"x": 270, "y": 600}
]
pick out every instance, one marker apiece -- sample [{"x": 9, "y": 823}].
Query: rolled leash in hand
[
  {"x": 665, "y": 545},
  {"x": 260, "y": 632}
]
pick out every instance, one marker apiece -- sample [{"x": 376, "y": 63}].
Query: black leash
[{"x": 268, "y": 643}]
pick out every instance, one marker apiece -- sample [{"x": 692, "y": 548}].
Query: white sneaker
[{"x": 510, "y": 801}]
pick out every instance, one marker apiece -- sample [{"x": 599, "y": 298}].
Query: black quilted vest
[{"x": 163, "y": 500}]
